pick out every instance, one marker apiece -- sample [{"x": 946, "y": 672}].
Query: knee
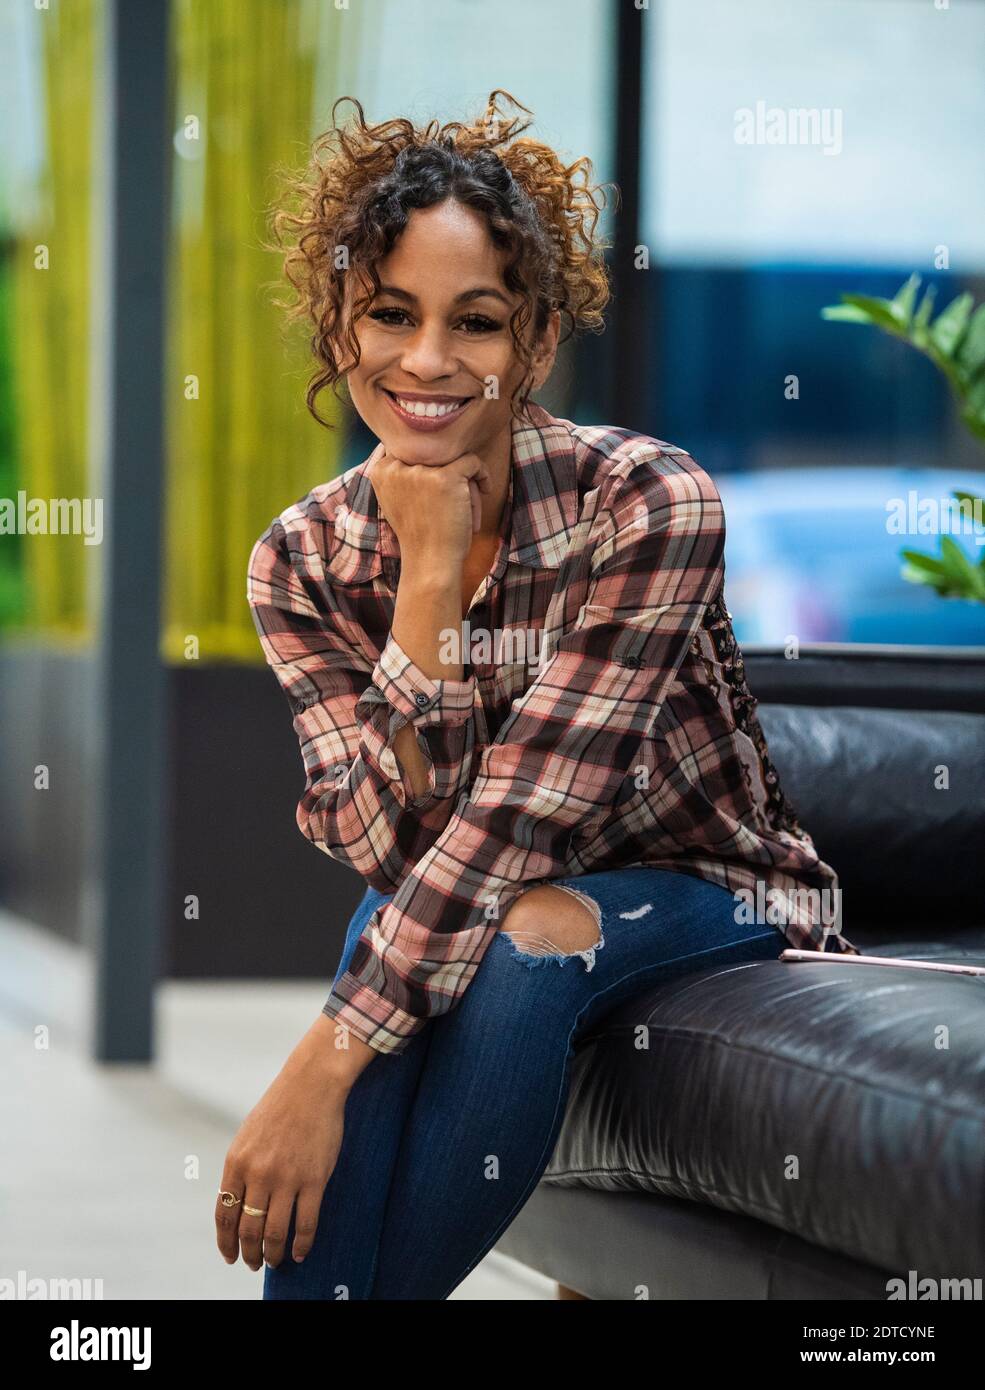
[{"x": 550, "y": 921}]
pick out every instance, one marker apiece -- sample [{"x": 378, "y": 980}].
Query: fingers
[
  {"x": 476, "y": 501},
  {"x": 275, "y": 1227},
  {"x": 476, "y": 475},
  {"x": 263, "y": 1238},
  {"x": 251, "y": 1226},
  {"x": 467, "y": 465},
  {"x": 470, "y": 466},
  {"x": 227, "y": 1217},
  {"x": 390, "y": 476},
  {"x": 306, "y": 1220},
  {"x": 375, "y": 462}
]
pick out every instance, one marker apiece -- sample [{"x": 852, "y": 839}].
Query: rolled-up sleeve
[
  {"x": 656, "y": 546},
  {"x": 441, "y": 710},
  {"x": 358, "y": 804}
]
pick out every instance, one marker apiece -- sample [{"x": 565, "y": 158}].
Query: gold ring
[
  {"x": 254, "y": 1211},
  {"x": 229, "y": 1199}
]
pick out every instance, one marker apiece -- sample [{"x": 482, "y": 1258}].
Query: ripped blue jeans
[{"x": 445, "y": 1141}]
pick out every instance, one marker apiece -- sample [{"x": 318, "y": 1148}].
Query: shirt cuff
[
  {"x": 370, "y": 1017},
  {"x": 419, "y": 698}
]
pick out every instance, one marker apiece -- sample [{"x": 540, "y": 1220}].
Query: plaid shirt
[{"x": 603, "y": 721}]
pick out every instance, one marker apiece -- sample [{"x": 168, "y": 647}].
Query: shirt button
[
  {"x": 421, "y": 698},
  {"x": 633, "y": 661},
  {"x": 300, "y": 706}
]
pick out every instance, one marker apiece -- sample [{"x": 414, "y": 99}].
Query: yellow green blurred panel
[
  {"x": 240, "y": 443},
  {"x": 252, "y": 83},
  {"x": 50, "y": 296}
]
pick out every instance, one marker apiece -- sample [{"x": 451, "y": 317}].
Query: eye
[
  {"x": 472, "y": 323},
  {"x": 384, "y": 315},
  {"x": 478, "y": 323}
]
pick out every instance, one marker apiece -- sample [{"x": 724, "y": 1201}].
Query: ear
[{"x": 546, "y": 350}]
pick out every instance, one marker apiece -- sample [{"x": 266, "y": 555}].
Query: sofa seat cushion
[{"x": 844, "y": 1104}]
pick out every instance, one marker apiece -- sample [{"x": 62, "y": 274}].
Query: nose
[{"x": 429, "y": 353}]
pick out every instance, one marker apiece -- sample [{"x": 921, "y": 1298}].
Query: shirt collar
[{"x": 541, "y": 509}]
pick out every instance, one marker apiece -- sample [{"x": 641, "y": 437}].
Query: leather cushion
[
  {"x": 816, "y": 1097},
  {"x": 863, "y": 784}
]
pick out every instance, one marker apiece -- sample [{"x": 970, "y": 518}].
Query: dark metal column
[
  {"x": 130, "y": 706},
  {"x": 629, "y": 368}
]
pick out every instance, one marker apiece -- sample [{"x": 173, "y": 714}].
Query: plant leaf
[
  {"x": 913, "y": 575},
  {"x": 977, "y": 506},
  {"x": 930, "y": 563},
  {"x": 904, "y": 300},
  {"x": 846, "y": 313},
  {"x": 973, "y": 410},
  {"x": 918, "y": 327},
  {"x": 950, "y": 323},
  {"x": 880, "y": 311},
  {"x": 954, "y": 342},
  {"x": 971, "y": 353},
  {"x": 967, "y": 578},
  {"x": 974, "y": 421}
]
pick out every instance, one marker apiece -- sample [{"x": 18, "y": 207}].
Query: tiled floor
[{"x": 110, "y": 1171}]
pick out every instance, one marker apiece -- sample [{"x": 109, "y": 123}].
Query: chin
[{"x": 423, "y": 450}]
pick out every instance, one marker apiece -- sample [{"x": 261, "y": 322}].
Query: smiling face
[{"x": 435, "y": 335}]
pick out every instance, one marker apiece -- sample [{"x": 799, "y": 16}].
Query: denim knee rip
[{"x": 551, "y": 953}]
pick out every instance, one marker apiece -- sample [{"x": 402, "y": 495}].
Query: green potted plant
[{"x": 955, "y": 343}]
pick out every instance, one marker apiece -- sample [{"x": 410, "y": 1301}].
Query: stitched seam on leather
[
  {"x": 668, "y": 1031},
  {"x": 705, "y": 1192}
]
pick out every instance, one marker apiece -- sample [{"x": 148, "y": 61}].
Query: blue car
[{"x": 811, "y": 553}]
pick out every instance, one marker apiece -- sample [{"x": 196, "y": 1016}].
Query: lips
[{"x": 428, "y": 413}]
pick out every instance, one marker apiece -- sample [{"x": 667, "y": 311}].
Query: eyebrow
[{"x": 466, "y": 296}]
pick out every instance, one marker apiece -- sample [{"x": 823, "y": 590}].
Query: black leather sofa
[{"x": 804, "y": 1131}]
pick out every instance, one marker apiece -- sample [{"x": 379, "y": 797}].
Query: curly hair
[{"x": 362, "y": 183}]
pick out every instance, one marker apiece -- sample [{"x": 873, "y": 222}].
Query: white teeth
[{"x": 429, "y": 409}]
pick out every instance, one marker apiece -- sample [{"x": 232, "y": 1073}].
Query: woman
[{"x": 584, "y": 789}]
